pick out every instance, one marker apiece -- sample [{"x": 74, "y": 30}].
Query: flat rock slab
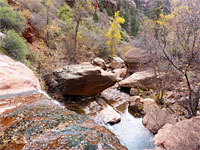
[{"x": 143, "y": 80}]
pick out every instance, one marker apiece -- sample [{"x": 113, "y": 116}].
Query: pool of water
[{"x": 132, "y": 134}]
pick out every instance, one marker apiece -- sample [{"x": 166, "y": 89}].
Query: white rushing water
[
  {"x": 132, "y": 134},
  {"x": 55, "y": 101}
]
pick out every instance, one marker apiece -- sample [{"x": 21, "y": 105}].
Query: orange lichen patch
[
  {"x": 14, "y": 146},
  {"x": 88, "y": 123},
  {"x": 5, "y": 123},
  {"x": 94, "y": 142},
  {"x": 10, "y": 104},
  {"x": 68, "y": 113},
  {"x": 100, "y": 129}
]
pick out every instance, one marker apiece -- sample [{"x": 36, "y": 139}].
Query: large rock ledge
[
  {"x": 184, "y": 135},
  {"x": 83, "y": 79}
]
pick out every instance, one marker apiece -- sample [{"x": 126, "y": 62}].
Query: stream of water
[
  {"x": 130, "y": 130},
  {"x": 132, "y": 134}
]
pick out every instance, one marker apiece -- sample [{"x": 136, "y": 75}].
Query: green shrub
[
  {"x": 4, "y": 3},
  {"x": 103, "y": 52},
  {"x": 15, "y": 46},
  {"x": 2, "y": 51},
  {"x": 10, "y": 19},
  {"x": 95, "y": 17}
]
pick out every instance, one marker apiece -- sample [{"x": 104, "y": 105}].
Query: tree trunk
[{"x": 75, "y": 39}]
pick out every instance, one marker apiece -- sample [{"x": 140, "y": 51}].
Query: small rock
[
  {"x": 99, "y": 62},
  {"x": 169, "y": 101},
  {"x": 116, "y": 63},
  {"x": 148, "y": 100},
  {"x": 170, "y": 95},
  {"x": 120, "y": 73},
  {"x": 135, "y": 99},
  {"x": 2, "y": 35},
  {"x": 114, "y": 121},
  {"x": 134, "y": 92},
  {"x": 136, "y": 108}
]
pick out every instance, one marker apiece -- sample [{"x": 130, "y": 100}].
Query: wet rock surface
[
  {"x": 105, "y": 108},
  {"x": 10, "y": 103},
  {"x": 83, "y": 79},
  {"x": 40, "y": 123},
  {"x": 129, "y": 130}
]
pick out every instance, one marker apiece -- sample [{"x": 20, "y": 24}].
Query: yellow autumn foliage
[
  {"x": 164, "y": 18},
  {"x": 114, "y": 33}
]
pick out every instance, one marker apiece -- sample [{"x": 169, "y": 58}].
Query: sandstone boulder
[
  {"x": 142, "y": 80},
  {"x": 183, "y": 135},
  {"x": 16, "y": 77},
  {"x": 83, "y": 79},
  {"x": 108, "y": 115},
  {"x": 139, "y": 106},
  {"x": 135, "y": 59},
  {"x": 155, "y": 120}
]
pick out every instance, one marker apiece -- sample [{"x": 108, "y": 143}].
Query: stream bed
[
  {"x": 112, "y": 105},
  {"x": 131, "y": 133}
]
